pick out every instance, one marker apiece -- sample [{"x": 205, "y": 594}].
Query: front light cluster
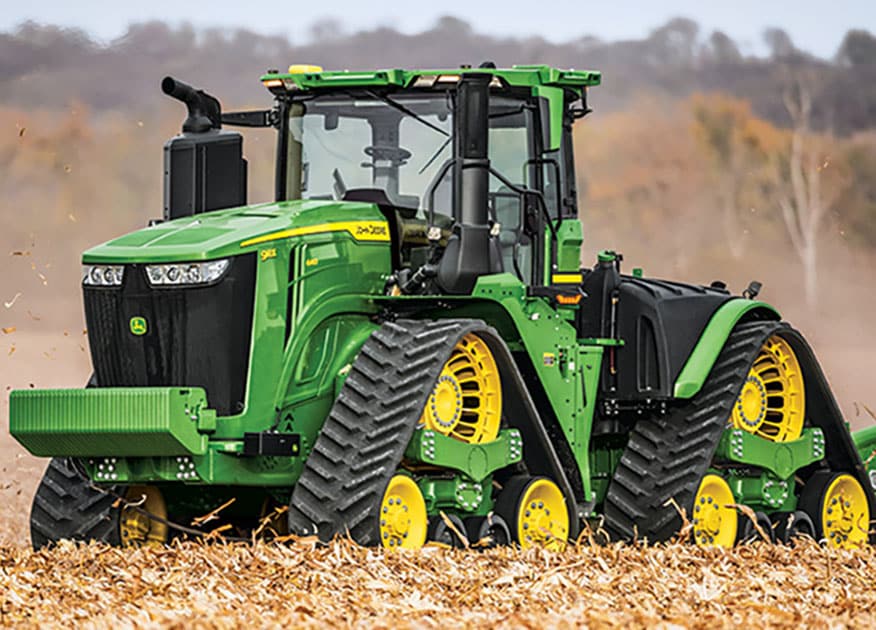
[
  {"x": 186, "y": 273},
  {"x": 102, "y": 275}
]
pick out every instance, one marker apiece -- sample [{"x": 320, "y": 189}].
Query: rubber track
[
  {"x": 66, "y": 506},
  {"x": 666, "y": 457},
  {"x": 369, "y": 427}
]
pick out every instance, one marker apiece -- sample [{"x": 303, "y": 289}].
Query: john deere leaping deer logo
[{"x": 138, "y": 325}]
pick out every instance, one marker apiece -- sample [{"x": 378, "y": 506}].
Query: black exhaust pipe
[
  {"x": 469, "y": 249},
  {"x": 205, "y": 112}
]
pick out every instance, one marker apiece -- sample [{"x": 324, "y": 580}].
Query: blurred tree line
[
  {"x": 698, "y": 157},
  {"x": 48, "y": 64}
]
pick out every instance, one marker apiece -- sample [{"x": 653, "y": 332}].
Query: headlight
[
  {"x": 187, "y": 273},
  {"x": 102, "y": 275}
]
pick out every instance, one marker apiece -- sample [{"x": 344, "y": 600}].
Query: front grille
[{"x": 195, "y": 336}]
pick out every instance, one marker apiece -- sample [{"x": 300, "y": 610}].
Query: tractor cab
[{"x": 428, "y": 150}]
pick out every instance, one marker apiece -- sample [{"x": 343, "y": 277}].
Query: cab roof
[{"x": 303, "y": 77}]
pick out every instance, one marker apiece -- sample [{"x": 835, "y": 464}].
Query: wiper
[
  {"x": 435, "y": 155},
  {"x": 407, "y": 112}
]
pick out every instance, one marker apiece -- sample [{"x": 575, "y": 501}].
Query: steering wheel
[
  {"x": 339, "y": 187},
  {"x": 397, "y": 155}
]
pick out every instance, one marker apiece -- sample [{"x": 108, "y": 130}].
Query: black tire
[
  {"x": 508, "y": 502},
  {"x": 667, "y": 456},
  {"x": 441, "y": 532},
  {"x": 792, "y": 526},
  {"x": 492, "y": 529},
  {"x": 747, "y": 533},
  {"x": 812, "y": 499},
  {"x": 67, "y": 506}
]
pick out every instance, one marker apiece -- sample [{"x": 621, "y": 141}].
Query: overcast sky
[{"x": 816, "y": 26}]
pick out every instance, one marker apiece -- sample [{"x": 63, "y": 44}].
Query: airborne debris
[
  {"x": 9, "y": 330},
  {"x": 14, "y": 299},
  {"x": 211, "y": 516}
]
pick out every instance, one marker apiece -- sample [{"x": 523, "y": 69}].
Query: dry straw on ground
[{"x": 342, "y": 585}]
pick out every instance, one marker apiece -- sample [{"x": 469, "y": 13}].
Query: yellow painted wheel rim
[
  {"x": 542, "y": 516},
  {"x": 466, "y": 402},
  {"x": 403, "y": 519},
  {"x": 714, "y": 519},
  {"x": 137, "y": 529},
  {"x": 845, "y": 514},
  {"x": 772, "y": 403}
]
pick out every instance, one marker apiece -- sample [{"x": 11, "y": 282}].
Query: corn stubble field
[
  {"x": 241, "y": 585},
  {"x": 304, "y": 584}
]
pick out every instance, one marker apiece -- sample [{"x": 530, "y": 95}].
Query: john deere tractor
[{"x": 404, "y": 347}]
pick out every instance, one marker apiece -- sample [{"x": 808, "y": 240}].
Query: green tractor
[{"x": 404, "y": 348}]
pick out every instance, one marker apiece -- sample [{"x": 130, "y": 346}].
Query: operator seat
[{"x": 508, "y": 212}]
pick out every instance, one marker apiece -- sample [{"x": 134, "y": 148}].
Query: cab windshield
[{"x": 398, "y": 145}]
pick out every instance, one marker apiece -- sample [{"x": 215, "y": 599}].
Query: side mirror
[{"x": 544, "y": 117}]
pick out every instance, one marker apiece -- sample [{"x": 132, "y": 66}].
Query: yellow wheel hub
[
  {"x": 137, "y": 529},
  {"x": 403, "y": 518},
  {"x": 714, "y": 519},
  {"x": 542, "y": 517},
  {"x": 845, "y": 514},
  {"x": 772, "y": 402},
  {"x": 466, "y": 402}
]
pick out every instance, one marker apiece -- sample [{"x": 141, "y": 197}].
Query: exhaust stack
[
  {"x": 204, "y": 110},
  {"x": 470, "y": 249}
]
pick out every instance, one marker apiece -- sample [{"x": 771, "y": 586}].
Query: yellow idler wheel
[
  {"x": 136, "y": 529},
  {"x": 536, "y": 512},
  {"x": 403, "y": 518},
  {"x": 837, "y": 504},
  {"x": 466, "y": 402},
  {"x": 772, "y": 403},
  {"x": 714, "y": 518}
]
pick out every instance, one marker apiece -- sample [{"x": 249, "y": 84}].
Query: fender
[{"x": 705, "y": 353}]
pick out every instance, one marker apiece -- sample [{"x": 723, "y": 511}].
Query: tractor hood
[{"x": 234, "y": 231}]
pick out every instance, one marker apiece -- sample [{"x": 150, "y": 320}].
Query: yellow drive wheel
[
  {"x": 466, "y": 402},
  {"x": 536, "y": 512},
  {"x": 837, "y": 504},
  {"x": 403, "y": 518},
  {"x": 714, "y": 519},
  {"x": 136, "y": 529},
  {"x": 772, "y": 402}
]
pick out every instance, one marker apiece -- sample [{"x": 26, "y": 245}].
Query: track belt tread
[
  {"x": 667, "y": 456},
  {"x": 369, "y": 426}
]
